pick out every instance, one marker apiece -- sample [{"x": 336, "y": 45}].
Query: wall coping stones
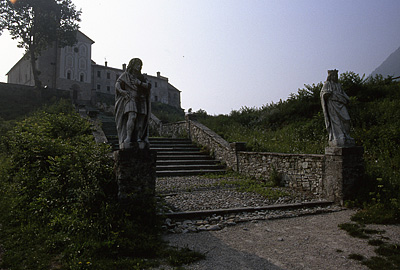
[{"x": 332, "y": 175}]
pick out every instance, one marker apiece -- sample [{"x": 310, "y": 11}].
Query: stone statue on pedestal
[
  {"x": 132, "y": 107},
  {"x": 337, "y": 119}
]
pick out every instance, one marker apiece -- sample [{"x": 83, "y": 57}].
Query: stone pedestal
[
  {"x": 344, "y": 170},
  {"x": 135, "y": 171}
]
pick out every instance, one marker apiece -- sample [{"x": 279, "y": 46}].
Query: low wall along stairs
[
  {"x": 332, "y": 176},
  {"x": 175, "y": 156}
]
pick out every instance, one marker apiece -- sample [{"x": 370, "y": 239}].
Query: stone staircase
[
  {"x": 175, "y": 157},
  {"x": 109, "y": 129},
  {"x": 179, "y": 157}
]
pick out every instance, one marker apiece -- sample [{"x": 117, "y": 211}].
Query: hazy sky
[{"x": 225, "y": 54}]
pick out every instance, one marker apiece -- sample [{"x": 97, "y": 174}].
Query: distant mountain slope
[{"x": 389, "y": 67}]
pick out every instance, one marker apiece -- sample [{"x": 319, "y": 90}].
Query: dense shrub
[
  {"x": 296, "y": 125},
  {"x": 58, "y": 199},
  {"x": 167, "y": 113}
]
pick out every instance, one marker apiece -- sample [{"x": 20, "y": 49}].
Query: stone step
[
  {"x": 155, "y": 141},
  {"x": 173, "y": 146},
  {"x": 187, "y": 167},
  {"x": 206, "y": 213},
  {"x": 184, "y": 157},
  {"x": 187, "y": 162},
  {"x": 175, "y": 156},
  {"x": 177, "y": 150},
  {"x": 181, "y": 153},
  {"x": 189, "y": 172}
]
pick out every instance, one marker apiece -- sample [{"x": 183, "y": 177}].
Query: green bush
[
  {"x": 58, "y": 200},
  {"x": 296, "y": 125},
  {"x": 58, "y": 197}
]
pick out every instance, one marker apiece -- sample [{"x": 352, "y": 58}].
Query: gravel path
[
  {"x": 308, "y": 242},
  {"x": 279, "y": 239},
  {"x": 193, "y": 193}
]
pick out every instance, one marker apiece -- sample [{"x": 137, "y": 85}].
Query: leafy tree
[{"x": 37, "y": 24}]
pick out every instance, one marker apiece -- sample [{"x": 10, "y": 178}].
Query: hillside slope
[{"x": 389, "y": 67}]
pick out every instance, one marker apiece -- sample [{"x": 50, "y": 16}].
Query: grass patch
[
  {"x": 389, "y": 254},
  {"x": 388, "y": 250},
  {"x": 254, "y": 186},
  {"x": 380, "y": 263},
  {"x": 354, "y": 229},
  {"x": 375, "y": 242},
  {"x": 356, "y": 257},
  {"x": 244, "y": 183},
  {"x": 377, "y": 214},
  {"x": 178, "y": 257}
]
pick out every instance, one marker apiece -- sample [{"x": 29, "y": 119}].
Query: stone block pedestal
[
  {"x": 135, "y": 171},
  {"x": 344, "y": 171}
]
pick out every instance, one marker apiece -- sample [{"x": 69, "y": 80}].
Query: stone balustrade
[{"x": 331, "y": 176}]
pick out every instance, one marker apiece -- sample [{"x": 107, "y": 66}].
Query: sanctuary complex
[{"x": 71, "y": 68}]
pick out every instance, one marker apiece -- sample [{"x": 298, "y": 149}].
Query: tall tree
[{"x": 37, "y": 24}]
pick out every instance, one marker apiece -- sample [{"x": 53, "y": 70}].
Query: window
[
  {"x": 69, "y": 61},
  {"x": 108, "y": 75},
  {"x": 108, "y": 88},
  {"x": 98, "y": 87},
  {"x": 155, "y": 84},
  {"x": 82, "y": 50},
  {"x": 82, "y": 77},
  {"x": 82, "y": 63},
  {"x": 156, "y": 98},
  {"x": 98, "y": 74},
  {"x": 69, "y": 75}
]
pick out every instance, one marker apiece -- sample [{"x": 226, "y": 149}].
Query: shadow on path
[{"x": 218, "y": 254}]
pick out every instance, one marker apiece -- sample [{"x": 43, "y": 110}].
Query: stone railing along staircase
[{"x": 175, "y": 157}]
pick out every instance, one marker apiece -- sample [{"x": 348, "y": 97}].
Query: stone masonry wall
[
  {"x": 331, "y": 176},
  {"x": 302, "y": 172},
  {"x": 175, "y": 130},
  {"x": 218, "y": 147}
]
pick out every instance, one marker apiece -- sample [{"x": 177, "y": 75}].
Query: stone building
[{"x": 71, "y": 68}]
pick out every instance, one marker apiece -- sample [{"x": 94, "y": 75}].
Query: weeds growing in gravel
[
  {"x": 244, "y": 183},
  {"x": 388, "y": 254}
]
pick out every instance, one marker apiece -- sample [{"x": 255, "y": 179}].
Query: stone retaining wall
[
  {"x": 317, "y": 174},
  {"x": 175, "y": 130},
  {"x": 214, "y": 144},
  {"x": 302, "y": 172}
]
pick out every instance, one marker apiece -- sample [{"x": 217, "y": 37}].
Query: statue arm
[{"x": 120, "y": 88}]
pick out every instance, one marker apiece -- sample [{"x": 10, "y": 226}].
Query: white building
[{"x": 71, "y": 68}]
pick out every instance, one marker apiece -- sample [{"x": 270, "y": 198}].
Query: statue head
[
  {"x": 333, "y": 76},
  {"x": 135, "y": 66}
]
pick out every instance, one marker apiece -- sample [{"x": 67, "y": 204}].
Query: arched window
[
  {"x": 82, "y": 50},
  {"x": 69, "y": 74},
  {"x": 82, "y": 63},
  {"x": 69, "y": 61},
  {"x": 82, "y": 77}
]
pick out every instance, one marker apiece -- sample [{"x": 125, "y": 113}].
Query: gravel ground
[
  {"x": 193, "y": 193},
  {"x": 305, "y": 238},
  {"x": 308, "y": 242}
]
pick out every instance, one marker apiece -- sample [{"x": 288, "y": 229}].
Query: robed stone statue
[
  {"x": 337, "y": 119},
  {"x": 132, "y": 107}
]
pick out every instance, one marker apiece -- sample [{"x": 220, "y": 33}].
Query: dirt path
[{"x": 308, "y": 242}]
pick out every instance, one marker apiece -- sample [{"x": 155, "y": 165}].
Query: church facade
[{"x": 71, "y": 68}]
